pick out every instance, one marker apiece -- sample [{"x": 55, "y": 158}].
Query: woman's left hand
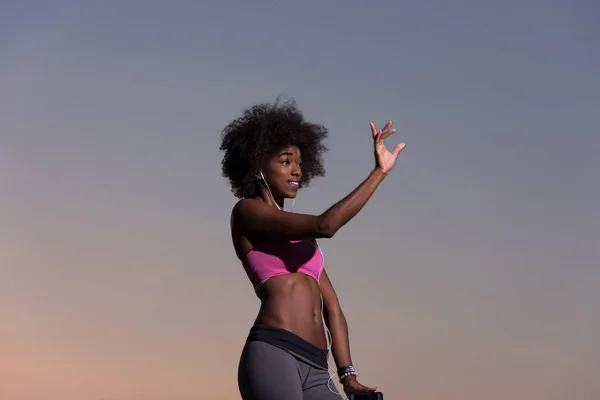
[{"x": 351, "y": 385}]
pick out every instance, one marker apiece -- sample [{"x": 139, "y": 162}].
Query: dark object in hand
[{"x": 366, "y": 396}]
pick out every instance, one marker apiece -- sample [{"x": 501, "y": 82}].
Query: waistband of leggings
[{"x": 287, "y": 340}]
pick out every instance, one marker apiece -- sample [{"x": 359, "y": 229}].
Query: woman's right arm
[{"x": 259, "y": 218}]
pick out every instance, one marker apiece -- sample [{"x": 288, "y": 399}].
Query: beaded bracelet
[
  {"x": 347, "y": 374},
  {"x": 346, "y": 371}
]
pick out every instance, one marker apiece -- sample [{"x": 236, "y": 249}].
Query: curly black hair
[{"x": 262, "y": 130}]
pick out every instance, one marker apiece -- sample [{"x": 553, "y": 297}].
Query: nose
[{"x": 297, "y": 171}]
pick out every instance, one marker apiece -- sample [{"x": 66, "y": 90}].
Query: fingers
[
  {"x": 360, "y": 388},
  {"x": 366, "y": 389},
  {"x": 373, "y": 130},
  {"x": 398, "y": 149},
  {"x": 383, "y": 133}
]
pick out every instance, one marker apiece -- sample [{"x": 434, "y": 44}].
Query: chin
[{"x": 291, "y": 195}]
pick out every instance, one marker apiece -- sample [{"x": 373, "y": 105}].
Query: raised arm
[{"x": 257, "y": 217}]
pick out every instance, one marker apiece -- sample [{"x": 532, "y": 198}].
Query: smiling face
[{"x": 283, "y": 173}]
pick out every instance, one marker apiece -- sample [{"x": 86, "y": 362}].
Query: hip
[{"x": 289, "y": 342}]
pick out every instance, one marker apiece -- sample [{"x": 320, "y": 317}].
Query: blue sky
[{"x": 482, "y": 242}]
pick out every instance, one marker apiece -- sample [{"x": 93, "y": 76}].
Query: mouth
[{"x": 294, "y": 184}]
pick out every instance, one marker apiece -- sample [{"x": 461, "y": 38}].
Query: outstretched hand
[{"x": 385, "y": 159}]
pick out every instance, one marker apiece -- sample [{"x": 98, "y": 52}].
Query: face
[{"x": 283, "y": 173}]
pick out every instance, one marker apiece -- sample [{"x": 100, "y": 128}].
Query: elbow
[
  {"x": 327, "y": 233},
  {"x": 336, "y": 311},
  {"x": 326, "y": 229},
  {"x": 334, "y": 315}
]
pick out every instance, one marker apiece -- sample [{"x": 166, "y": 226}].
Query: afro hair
[{"x": 262, "y": 130}]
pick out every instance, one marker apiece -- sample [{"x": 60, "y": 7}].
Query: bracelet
[
  {"x": 346, "y": 371},
  {"x": 347, "y": 374}
]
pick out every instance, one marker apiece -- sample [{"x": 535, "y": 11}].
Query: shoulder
[
  {"x": 244, "y": 206},
  {"x": 247, "y": 211}
]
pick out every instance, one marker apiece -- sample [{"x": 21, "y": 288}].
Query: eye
[{"x": 285, "y": 162}]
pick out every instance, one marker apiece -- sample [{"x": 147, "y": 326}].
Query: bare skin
[{"x": 293, "y": 301}]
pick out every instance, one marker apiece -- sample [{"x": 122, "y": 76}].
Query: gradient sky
[{"x": 474, "y": 272}]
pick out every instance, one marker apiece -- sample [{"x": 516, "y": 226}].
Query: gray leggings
[{"x": 267, "y": 372}]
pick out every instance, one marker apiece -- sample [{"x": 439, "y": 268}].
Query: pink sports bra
[{"x": 281, "y": 258}]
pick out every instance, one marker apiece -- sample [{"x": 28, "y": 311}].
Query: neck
[{"x": 266, "y": 197}]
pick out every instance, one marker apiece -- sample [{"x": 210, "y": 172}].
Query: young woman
[{"x": 270, "y": 153}]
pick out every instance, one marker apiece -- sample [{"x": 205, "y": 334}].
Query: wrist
[
  {"x": 348, "y": 380},
  {"x": 379, "y": 173},
  {"x": 346, "y": 374}
]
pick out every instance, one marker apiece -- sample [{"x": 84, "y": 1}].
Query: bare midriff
[{"x": 293, "y": 302}]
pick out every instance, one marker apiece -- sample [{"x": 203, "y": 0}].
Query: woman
[{"x": 271, "y": 152}]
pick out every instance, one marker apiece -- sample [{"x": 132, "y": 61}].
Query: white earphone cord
[
  {"x": 332, "y": 371},
  {"x": 271, "y": 194},
  {"x": 328, "y": 336},
  {"x": 269, "y": 189}
]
